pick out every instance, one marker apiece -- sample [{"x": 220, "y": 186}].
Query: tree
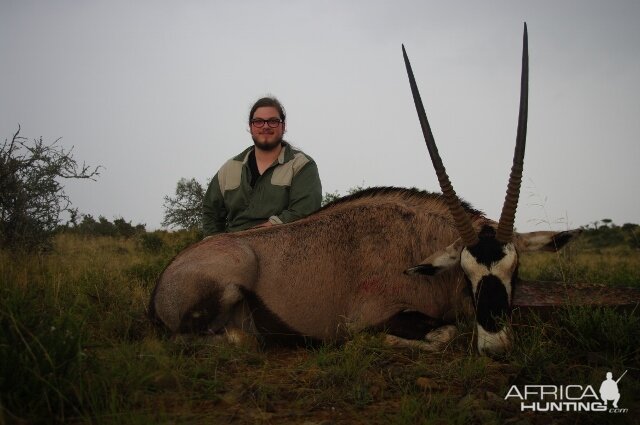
[
  {"x": 185, "y": 209},
  {"x": 31, "y": 194},
  {"x": 102, "y": 227},
  {"x": 330, "y": 197},
  {"x": 334, "y": 196},
  {"x": 124, "y": 228}
]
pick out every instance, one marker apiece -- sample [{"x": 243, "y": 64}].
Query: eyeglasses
[{"x": 259, "y": 122}]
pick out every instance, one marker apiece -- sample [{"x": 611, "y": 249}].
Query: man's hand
[{"x": 265, "y": 224}]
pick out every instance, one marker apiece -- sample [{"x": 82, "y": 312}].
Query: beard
[{"x": 266, "y": 146}]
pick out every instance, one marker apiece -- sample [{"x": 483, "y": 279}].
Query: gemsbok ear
[
  {"x": 439, "y": 261},
  {"x": 544, "y": 241}
]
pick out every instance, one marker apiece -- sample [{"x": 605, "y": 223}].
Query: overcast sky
[{"x": 159, "y": 90}]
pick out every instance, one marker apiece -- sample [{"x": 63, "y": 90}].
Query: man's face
[{"x": 266, "y": 138}]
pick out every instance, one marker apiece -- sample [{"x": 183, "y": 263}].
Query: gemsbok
[{"x": 401, "y": 261}]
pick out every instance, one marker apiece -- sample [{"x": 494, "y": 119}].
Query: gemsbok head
[{"x": 489, "y": 258}]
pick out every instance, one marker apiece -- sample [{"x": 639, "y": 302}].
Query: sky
[{"x": 155, "y": 91}]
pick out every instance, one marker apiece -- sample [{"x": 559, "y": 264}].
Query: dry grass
[{"x": 618, "y": 266}]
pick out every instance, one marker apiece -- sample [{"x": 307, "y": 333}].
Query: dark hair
[{"x": 268, "y": 101}]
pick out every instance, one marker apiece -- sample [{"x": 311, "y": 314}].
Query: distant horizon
[{"x": 171, "y": 229}]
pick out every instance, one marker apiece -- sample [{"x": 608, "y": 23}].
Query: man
[{"x": 267, "y": 184}]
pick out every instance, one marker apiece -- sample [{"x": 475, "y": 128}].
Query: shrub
[
  {"x": 151, "y": 242},
  {"x": 31, "y": 195}
]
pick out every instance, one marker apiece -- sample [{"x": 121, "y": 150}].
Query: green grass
[{"x": 76, "y": 347}]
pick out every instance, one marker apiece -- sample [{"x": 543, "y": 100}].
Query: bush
[
  {"x": 151, "y": 242},
  {"x": 31, "y": 195},
  {"x": 103, "y": 227},
  {"x": 606, "y": 234}
]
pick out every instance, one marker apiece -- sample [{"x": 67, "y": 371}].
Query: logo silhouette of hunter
[{"x": 609, "y": 389}]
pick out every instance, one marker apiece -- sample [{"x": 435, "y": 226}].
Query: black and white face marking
[{"x": 490, "y": 267}]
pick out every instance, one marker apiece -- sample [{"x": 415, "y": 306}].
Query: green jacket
[{"x": 288, "y": 190}]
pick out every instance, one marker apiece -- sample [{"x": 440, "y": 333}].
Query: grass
[
  {"x": 578, "y": 262},
  {"x": 76, "y": 347}
]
